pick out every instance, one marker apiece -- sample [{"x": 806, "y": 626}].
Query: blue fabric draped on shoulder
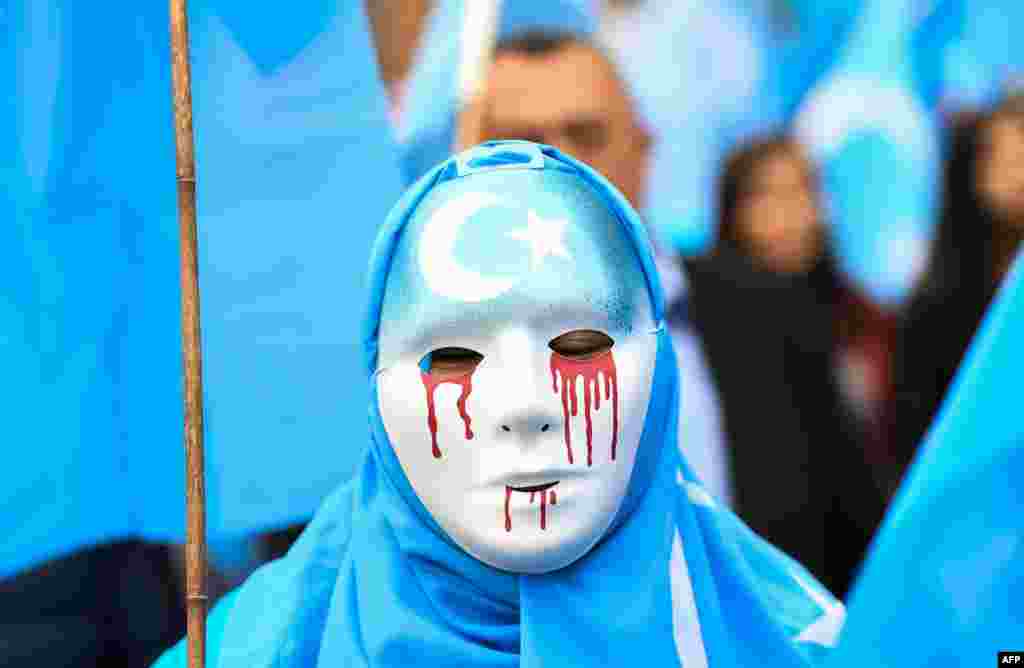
[{"x": 678, "y": 579}]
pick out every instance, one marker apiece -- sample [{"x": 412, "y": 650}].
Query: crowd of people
[{"x": 802, "y": 400}]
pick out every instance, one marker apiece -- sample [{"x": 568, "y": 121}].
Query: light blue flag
[
  {"x": 431, "y": 98},
  {"x": 298, "y": 168},
  {"x": 938, "y": 32},
  {"x": 705, "y": 77},
  {"x": 84, "y": 205},
  {"x": 944, "y": 579},
  {"x": 810, "y": 34},
  {"x": 986, "y": 58},
  {"x": 90, "y": 302},
  {"x": 876, "y": 139},
  {"x": 968, "y": 55}
]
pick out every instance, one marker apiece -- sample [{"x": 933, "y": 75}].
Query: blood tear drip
[
  {"x": 508, "y": 517},
  {"x": 570, "y": 370},
  {"x": 430, "y": 383},
  {"x": 543, "y": 506}
]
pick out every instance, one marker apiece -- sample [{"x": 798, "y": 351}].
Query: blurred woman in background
[
  {"x": 979, "y": 234},
  {"x": 767, "y": 303}
]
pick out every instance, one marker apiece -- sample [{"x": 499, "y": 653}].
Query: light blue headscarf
[{"x": 374, "y": 581}]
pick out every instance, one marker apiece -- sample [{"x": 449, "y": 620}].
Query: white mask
[{"x": 476, "y": 389}]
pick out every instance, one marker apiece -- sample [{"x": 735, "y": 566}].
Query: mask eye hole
[
  {"x": 581, "y": 344},
  {"x": 450, "y": 361}
]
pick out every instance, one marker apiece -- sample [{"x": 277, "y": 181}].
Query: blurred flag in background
[
  {"x": 860, "y": 80},
  {"x": 982, "y": 57},
  {"x": 874, "y": 119},
  {"x": 296, "y": 166},
  {"x": 704, "y": 75},
  {"x": 868, "y": 126},
  {"x": 88, "y": 436},
  {"x": 810, "y": 35}
]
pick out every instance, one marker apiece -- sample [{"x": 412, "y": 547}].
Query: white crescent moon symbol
[
  {"x": 853, "y": 103},
  {"x": 442, "y": 272}
]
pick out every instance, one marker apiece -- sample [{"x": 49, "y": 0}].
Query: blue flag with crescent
[
  {"x": 944, "y": 579},
  {"x": 89, "y": 317}
]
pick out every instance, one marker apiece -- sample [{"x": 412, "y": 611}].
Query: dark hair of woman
[
  {"x": 736, "y": 183},
  {"x": 968, "y": 243},
  {"x": 960, "y": 250}
]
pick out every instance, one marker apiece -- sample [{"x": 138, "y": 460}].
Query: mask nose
[
  {"x": 525, "y": 425},
  {"x": 530, "y": 405}
]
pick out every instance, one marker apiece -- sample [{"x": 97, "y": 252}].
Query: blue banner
[{"x": 296, "y": 166}]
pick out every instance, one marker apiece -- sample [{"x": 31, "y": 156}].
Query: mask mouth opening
[{"x": 535, "y": 488}]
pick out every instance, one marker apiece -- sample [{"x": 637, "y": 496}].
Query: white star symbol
[
  {"x": 825, "y": 630},
  {"x": 544, "y": 237}
]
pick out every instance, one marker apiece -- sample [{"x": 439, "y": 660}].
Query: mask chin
[{"x": 524, "y": 459}]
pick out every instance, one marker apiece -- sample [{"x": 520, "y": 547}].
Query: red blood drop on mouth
[
  {"x": 430, "y": 383},
  {"x": 508, "y": 517},
  {"x": 589, "y": 370},
  {"x": 543, "y": 506}
]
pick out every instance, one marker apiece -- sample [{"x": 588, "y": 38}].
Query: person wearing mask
[
  {"x": 979, "y": 234},
  {"x": 767, "y": 304},
  {"x": 491, "y": 523},
  {"x": 560, "y": 89}
]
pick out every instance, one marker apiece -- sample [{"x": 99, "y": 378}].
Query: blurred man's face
[
  {"x": 572, "y": 100},
  {"x": 779, "y": 218},
  {"x": 1000, "y": 180}
]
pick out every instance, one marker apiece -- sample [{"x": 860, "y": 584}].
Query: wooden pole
[
  {"x": 480, "y": 22},
  {"x": 195, "y": 494}
]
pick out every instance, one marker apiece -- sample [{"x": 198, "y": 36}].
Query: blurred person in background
[
  {"x": 767, "y": 302},
  {"x": 559, "y": 89},
  {"x": 979, "y": 234}
]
